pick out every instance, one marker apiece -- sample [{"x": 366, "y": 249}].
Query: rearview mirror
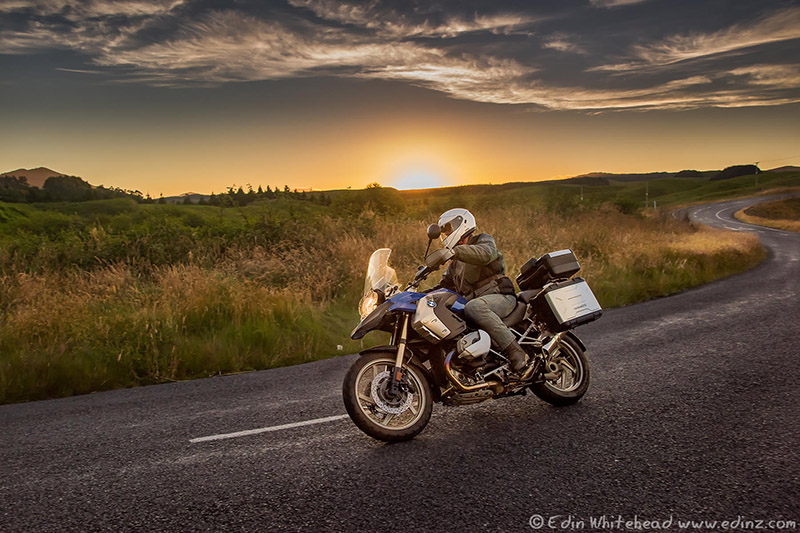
[{"x": 434, "y": 231}]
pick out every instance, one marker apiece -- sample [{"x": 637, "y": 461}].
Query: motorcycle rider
[{"x": 477, "y": 272}]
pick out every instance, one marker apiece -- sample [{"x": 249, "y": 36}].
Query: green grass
[
  {"x": 109, "y": 294},
  {"x": 667, "y": 192},
  {"x": 788, "y": 209},
  {"x": 147, "y": 334},
  {"x": 673, "y": 272},
  {"x": 733, "y": 188}
]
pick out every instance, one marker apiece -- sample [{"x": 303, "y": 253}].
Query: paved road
[{"x": 693, "y": 414}]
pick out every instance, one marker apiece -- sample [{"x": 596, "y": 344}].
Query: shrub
[
  {"x": 689, "y": 174},
  {"x": 735, "y": 171}
]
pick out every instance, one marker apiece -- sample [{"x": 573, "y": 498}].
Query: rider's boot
[{"x": 517, "y": 357}]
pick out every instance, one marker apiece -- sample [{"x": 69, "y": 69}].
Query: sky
[{"x": 171, "y": 96}]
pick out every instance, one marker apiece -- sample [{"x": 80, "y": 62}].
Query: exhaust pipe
[
  {"x": 460, "y": 386},
  {"x": 552, "y": 370},
  {"x": 550, "y": 347}
]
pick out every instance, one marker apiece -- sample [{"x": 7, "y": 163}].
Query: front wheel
[
  {"x": 571, "y": 379},
  {"x": 376, "y": 412}
]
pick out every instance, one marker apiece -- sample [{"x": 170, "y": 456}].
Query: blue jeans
[{"x": 486, "y": 312}]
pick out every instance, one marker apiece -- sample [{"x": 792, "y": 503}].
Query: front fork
[{"x": 397, "y": 372}]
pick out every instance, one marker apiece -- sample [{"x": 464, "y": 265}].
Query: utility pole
[
  {"x": 756, "y": 173},
  {"x": 581, "y": 193},
  {"x": 646, "y": 194}
]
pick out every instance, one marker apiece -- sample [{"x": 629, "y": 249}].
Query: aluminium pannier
[
  {"x": 556, "y": 265},
  {"x": 566, "y": 304}
]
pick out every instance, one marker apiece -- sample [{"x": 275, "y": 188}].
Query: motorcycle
[{"x": 435, "y": 355}]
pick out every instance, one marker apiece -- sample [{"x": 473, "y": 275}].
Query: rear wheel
[
  {"x": 374, "y": 410},
  {"x": 571, "y": 379}
]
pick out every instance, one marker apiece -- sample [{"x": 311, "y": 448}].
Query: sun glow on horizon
[
  {"x": 418, "y": 179},
  {"x": 418, "y": 165}
]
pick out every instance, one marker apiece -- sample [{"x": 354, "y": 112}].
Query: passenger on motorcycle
[{"x": 477, "y": 272}]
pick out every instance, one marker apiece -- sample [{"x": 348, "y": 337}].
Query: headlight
[{"x": 368, "y": 304}]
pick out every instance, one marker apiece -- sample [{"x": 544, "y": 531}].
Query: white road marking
[
  {"x": 759, "y": 230},
  {"x": 268, "y": 429}
]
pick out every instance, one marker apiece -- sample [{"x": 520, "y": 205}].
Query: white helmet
[{"x": 455, "y": 224}]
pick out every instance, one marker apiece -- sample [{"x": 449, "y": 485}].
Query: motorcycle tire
[
  {"x": 378, "y": 414},
  {"x": 570, "y": 386}
]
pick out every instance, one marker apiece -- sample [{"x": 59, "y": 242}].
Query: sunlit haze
[{"x": 168, "y": 96}]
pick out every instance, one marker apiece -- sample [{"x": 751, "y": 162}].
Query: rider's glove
[{"x": 438, "y": 257}]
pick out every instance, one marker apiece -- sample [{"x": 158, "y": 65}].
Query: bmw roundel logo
[{"x": 431, "y": 303}]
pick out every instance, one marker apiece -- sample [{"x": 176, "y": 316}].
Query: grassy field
[
  {"x": 111, "y": 294},
  {"x": 780, "y": 214},
  {"x": 628, "y": 197}
]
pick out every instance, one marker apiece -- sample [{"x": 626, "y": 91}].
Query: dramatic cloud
[
  {"x": 497, "y": 55},
  {"x": 614, "y": 3},
  {"x": 394, "y": 23},
  {"x": 83, "y": 9},
  {"x": 563, "y": 43},
  {"x": 90, "y": 26},
  {"x": 228, "y": 46},
  {"x": 781, "y": 26},
  {"x": 780, "y": 76}
]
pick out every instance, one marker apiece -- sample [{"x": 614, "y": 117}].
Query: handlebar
[{"x": 422, "y": 274}]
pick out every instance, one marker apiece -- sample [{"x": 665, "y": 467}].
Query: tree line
[
  {"x": 16, "y": 189},
  {"x": 237, "y": 196}
]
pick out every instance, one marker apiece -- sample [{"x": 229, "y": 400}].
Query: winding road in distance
[{"x": 693, "y": 414}]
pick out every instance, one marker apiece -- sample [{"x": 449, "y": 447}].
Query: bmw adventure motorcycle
[{"x": 436, "y": 355}]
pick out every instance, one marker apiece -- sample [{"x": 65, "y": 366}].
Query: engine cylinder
[{"x": 474, "y": 345}]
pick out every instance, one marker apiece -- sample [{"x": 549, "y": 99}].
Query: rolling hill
[{"x": 35, "y": 176}]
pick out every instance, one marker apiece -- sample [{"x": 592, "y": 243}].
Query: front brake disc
[{"x": 395, "y": 406}]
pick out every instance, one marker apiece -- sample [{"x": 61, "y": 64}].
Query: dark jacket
[{"x": 477, "y": 269}]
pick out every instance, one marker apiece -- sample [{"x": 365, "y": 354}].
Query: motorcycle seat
[{"x": 516, "y": 315}]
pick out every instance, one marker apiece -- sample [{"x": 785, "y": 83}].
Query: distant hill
[
  {"x": 595, "y": 175},
  {"x": 589, "y": 180},
  {"x": 608, "y": 178},
  {"x": 599, "y": 179},
  {"x": 628, "y": 178},
  {"x": 34, "y": 176},
  {"x": 45, "y": 185},
  {"x": 194, "y": 197},
  {"x": 785, "y": 169}
]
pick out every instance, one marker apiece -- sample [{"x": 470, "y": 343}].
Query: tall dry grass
[
  {"x": 780, "y": 214},
  {"x": 260, "y": 306},
  {"x": 625, "y": 259}
]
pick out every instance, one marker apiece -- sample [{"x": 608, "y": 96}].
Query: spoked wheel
[
  {"x": 378, "y": 413},
  {"x": 571, "y": 375}
]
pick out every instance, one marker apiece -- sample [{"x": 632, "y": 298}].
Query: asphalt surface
[{"x": 693, "y": 414}]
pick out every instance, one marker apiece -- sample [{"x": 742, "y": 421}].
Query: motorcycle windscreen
[{"x": 380, "y": 277}]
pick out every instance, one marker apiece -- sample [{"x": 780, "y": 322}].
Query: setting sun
[
  {"x": 419, "y": 173},
  {"x": 418, "y": 179}
]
